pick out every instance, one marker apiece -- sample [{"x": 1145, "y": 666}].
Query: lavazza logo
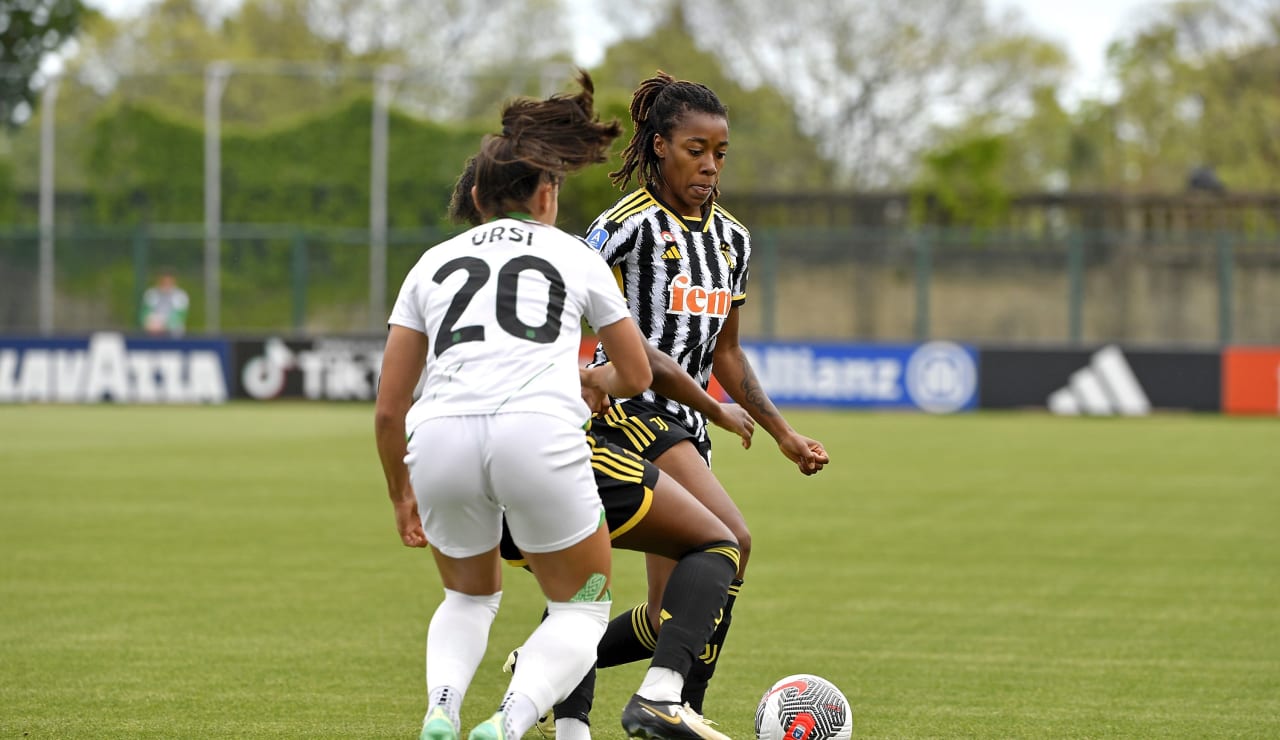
[
  {"x": 109, "y": 370},
  {"x": 1105, "y": 387}
]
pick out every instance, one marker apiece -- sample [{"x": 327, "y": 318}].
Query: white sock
[
  {"x": 456, "y": 641},
  {"x": 521, "y": 712},
  {"x": 558, "y": 654},
  {"x": 572, "y": 728},
  {"x": 662, "y": 685},
  {"x": 447, "y": 698}
]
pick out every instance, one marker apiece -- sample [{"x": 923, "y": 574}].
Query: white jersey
[{"x": 502, "y": 308}]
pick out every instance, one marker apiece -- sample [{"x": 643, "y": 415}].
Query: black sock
[
  {"x": 628, "y": 638},
  {"x": 695, "y": 684},
  {"x": 693, "y": 604}
]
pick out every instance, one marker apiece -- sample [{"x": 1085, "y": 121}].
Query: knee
[
  {"x": 727, "y": 549},
  {"x": 743, "y": 536}
]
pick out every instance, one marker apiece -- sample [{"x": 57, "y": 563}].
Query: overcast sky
[{"x": 1085, "y": 27}]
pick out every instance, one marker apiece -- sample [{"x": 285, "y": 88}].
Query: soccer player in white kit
[{"x": 494, "y": 315}]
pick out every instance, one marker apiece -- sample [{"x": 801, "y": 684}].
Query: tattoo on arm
[{"x": 753, "y": 393}]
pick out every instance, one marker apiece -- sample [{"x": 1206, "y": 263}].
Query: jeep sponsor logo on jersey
[
  {"x": 108, "y": 367},
  {"x": 694, "y": 300}
]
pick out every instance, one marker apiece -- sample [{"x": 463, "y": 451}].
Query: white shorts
[{"x": 467, "y": 470}]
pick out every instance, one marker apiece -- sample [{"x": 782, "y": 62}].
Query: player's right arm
[
  {"x": 671, "y": 380},
  {"x": 402, "y": 362},
  {"x": 627, "y": 373}
]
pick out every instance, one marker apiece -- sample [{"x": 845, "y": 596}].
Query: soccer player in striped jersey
[
  {"x": 682, "y": 261},
  {"x": 647, "y": 511}
]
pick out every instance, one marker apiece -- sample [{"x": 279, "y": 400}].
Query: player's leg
[
  {"x": 555, "y": 658},
  {"x": 692, "y": 602},
  {"x": 556, "y": 519},
  {"x": 630, "y": 636},
  {"x": 689, "y": 467},
  {"x": 633, "y": 634},
  {"x": 648, "y": 511},
  {"x": 647, "y": 432},
  {"x": 655, "y": 436},
  {"x": 699, "y": 548},
  {"x": 678, "y": 530},
  {"x": 458, "y": 635},
  {"x": 686, "y": 464},
  {"x": 462, "y": 527}
]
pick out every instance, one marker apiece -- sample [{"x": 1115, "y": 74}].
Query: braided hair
[
  {"x": 657, "y": 107},
  {"x": 541, "y": 140}
]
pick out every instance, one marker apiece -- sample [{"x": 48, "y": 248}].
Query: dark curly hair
[
  {"x": 657, "y": 107},
  {"x": 541, "y": 140}
]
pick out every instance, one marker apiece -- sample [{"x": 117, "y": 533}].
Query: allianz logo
[
  {"x": 939, "y": 377},
  {"x": 796, "y": 371},
  {"x": 107, "y": 370}
]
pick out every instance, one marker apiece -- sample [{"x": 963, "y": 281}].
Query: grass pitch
[{"x": 234, "y": 572}]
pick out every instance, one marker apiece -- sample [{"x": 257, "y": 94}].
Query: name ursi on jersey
[
  {"x": 695, "y": 300},
  {"x": 503, "y": 233}
]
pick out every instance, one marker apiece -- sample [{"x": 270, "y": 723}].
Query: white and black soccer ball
[{"x": 803, "y": 707}]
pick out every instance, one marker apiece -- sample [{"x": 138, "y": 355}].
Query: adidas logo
[{"x": 1106, "y": 387}]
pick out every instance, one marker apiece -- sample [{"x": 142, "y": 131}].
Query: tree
[
  {"x": 871, "y": 79},
  {"x": 768, "y": 149},
  {"x": 1199, "y": 87},
  {"x": 456, "y": 52},
  {"x": 1196, "y": 92},
  {"x": 283, "y": 68},
  {"x": 961, "y": 184},
  {"x": 295, "y": 57},
  {"x": 29, "y": 31}
]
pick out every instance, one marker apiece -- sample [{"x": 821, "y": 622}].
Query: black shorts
[
  {"x": 646, "y": 429},
  {"x": 625, "y": 483}
]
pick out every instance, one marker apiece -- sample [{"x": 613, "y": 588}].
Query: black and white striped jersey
[{"x": 680, "y": 276}]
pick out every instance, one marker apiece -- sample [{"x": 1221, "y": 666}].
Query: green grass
[{"x": 234, "y": 572}]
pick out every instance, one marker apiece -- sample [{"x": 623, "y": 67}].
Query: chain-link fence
[
  {"x": 272, "y": 278},
  {"x": 866, "y": 284},
  {"x": 1083, "y": 286}
]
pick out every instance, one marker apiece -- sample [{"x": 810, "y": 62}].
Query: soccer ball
[{"x": 803, "y": 707}]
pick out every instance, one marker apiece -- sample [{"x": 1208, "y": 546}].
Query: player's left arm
[
  {"x": 733, "y": 370},
  {"x": 402, "y": 362}
]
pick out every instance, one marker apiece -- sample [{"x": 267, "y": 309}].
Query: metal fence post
[
  {"x": 1226, "y": 264},
  {"x": 924, "y": 270},
  {"x": 299, "y": 282},
  {"x": 45, "y": 285},
  {"x": 384, "y": 81},
  {"x": 215, "y": 81},
  {"x": 1075, "y": 285},
  {"x": 141, "y": 271}
]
